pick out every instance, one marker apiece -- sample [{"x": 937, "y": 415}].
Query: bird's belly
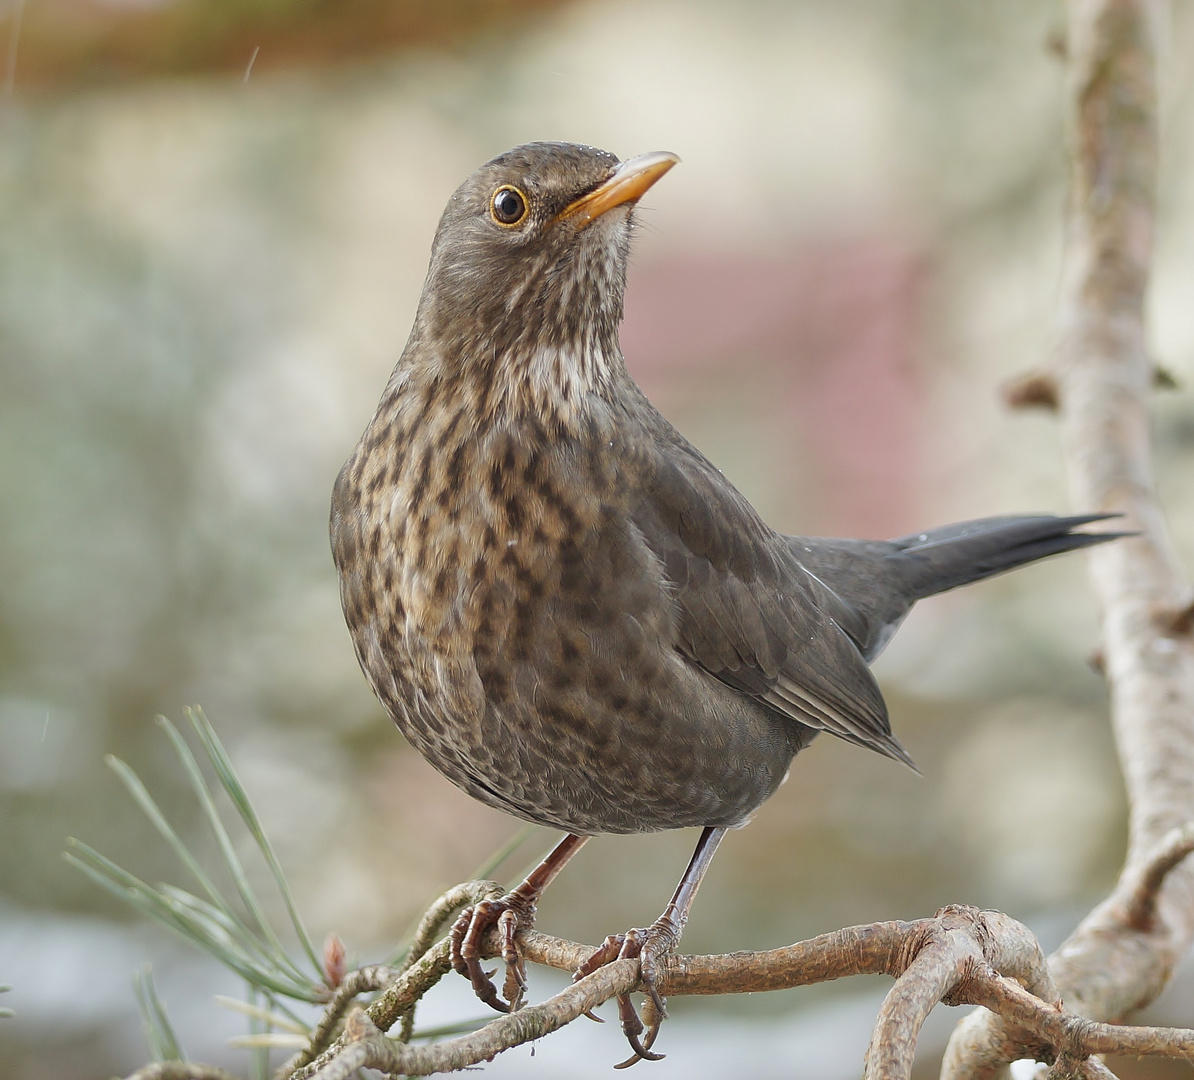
[
  {"x": 528, "y": 650},
  {"x": 615, "y": 775},
  {"x": 581, "y": 751}
]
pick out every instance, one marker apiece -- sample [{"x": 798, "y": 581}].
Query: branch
[
  {"x": 962, "y": 956},
  {"x": 364, "y": 1045},
  {"x": 1140, "y": 886},
  {"x": 361, "y": 981},
  {"x": 1100, "y": 379},
  {"x": 399, "y": 1002},
  {"x": 180, "y": 1070}
]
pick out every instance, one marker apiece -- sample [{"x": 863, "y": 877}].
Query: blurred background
[{"x": 214, "y": 223}]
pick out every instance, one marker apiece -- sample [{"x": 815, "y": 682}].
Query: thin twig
[
  {"x": 1140, "y": 909},
  {"x": 180, "y": 1070},
  {"x": 532, "y": 1022},
  {"x": 1075, "y": 1035},
  {"x": 470, "y": 892},
  {"x": 361, "y": 981},
  {"x": 396, "y": 998}
]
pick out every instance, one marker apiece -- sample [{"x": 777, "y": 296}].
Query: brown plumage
[{"x": 566, "y": 608}]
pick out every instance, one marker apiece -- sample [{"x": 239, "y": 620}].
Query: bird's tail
[
  {"x": 944, "y": 558},
  {"x": 872, "y": 584}
]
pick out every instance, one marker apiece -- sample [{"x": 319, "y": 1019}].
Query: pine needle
[{"x": 159, "y": 1033}]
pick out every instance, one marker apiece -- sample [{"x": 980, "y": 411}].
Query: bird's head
[{"x": 531, "y": 253}]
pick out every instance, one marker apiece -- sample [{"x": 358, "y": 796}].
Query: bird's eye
[{"x": 508, "y": 206}]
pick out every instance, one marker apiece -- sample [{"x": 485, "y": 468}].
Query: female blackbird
[{"x": 563, "y": 605}]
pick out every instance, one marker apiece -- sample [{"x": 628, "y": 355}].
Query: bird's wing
[{"x": 748, "y": 612}]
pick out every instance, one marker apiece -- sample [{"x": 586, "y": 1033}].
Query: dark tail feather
[{"x": 940, "y": 559}]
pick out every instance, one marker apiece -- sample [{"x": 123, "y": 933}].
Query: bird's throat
[{"x": 558, "y": 385}]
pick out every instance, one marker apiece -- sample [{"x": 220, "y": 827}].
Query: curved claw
[
  {"x": 650, "y": 989},
  {"x": 648, "y": 946},
  {"x": 632, "y": 1028},
  {"x": 515, "y": 985},
  {"x": 468, "y": 933}
]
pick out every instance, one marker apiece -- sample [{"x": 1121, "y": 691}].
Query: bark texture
[{"x": 1100, "y": 380}]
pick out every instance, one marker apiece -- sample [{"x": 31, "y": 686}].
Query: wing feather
[{"x": 747, "y": 610}]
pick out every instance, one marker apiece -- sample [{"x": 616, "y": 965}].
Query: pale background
[{"x": 204, "y": 282}]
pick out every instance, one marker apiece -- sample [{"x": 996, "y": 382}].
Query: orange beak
[{"x": 628, "y": 184}]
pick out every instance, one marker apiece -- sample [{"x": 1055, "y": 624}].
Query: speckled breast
[{"x": 522, "y": 637}]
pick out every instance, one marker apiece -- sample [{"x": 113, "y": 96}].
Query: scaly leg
[
  {"x": 513, "y": 912},
  {"x": 650, "y": 946}
]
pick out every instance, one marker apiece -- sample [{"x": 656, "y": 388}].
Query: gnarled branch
[
  {"x": 961, "y": 955},
  {"x": 1123, "y": 953}
]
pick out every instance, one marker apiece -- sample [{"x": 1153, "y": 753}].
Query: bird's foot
[
  {"x": 509, "y": 914},
  {"x": 649, "y": 946}
]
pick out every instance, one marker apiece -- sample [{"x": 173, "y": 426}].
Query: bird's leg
[
  {"x": 650, "y": 946},
  {"x": 513, "y": 912}
]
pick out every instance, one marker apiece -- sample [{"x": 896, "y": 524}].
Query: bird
[{"x": 566, "y": 608}]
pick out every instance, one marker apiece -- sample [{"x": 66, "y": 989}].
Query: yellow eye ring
[{"x": 508, "y": 206}]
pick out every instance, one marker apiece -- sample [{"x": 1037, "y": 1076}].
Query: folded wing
[{"x": 748, "y": 611}]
